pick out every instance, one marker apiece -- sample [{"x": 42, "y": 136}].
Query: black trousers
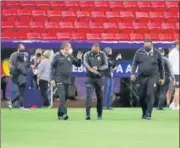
[
  {"x": 96, "y": 84},
  {"x": 161, "y": 93},
  {"x": 63, "y": 96},
  {"x": 147, "y": 93},
  {"x": 3, "y": 88},
  {"x": 21, "y": 94},
  {"x": 43, "y": 84}
]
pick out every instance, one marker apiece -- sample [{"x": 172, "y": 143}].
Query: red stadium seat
[
  {"x": 177, "y": 26},
  {"x": 176, "y": 36},
  {"x": 33, "y": 36},
  {"x": 107, "y": 36},
  {"x": 101, "y": 6},
  {"x": 125, "y": 27},
  {"x": 166, "y": 37},
  {"x": 152, "y": 36},
  {"x": 81, "y": 27},
  {"x": 52, "y": 27},
  {"x": 111, "y": 28},
  {"x": 37, "y": 27},
  {"x": 78, "y": 36},
  {"x": 7, "y": 26},
  {"x": 24, "y": 15},
  {"x": 131, "y": 6},
  {"x": 154, "y": 27},
  {"x": 72, "y": 5},
  {"x": 9, "y": 12},
  {"x": 48, "y": 36},
  {"x": 96, "y": 27},
  {"x": 136, "y": 37},
  {"x": 98, "y": 16},
  {"x": 57, "y": 5},
  {"x": 66, "y": 27},
  {"x": 30, "y": 5},
  {"x": 12, "y": 4},
  {"x": 171, "y": 17},
  {"x": 116, "y": 6},
  {"x": 64, "y": 36},
  {"x": 144, "y": 6},
  {"x": 42, "y": 5},
  {"x": 54, "y": 16},
  {"x": 140, "y": 28},
  {"x": 142, "y": 17},
  {"x": 112, "y": 16},
  {"x": 86, "y": 5},
  {"x": 168, "y": 28},
  {"x": 93, "y": 36},
  {"x": 122, "y": 37},
  {"x": 156, "y": 16},
  {"x": 39, "y": 15},
  {"x": 19, "y": 35},
  {"x": 172, "y": 6},
  {"x": 83, "y": 16},
  {"x": 6, "y": 35},
  {"x": 68, "y": 16},
  {"x": 158, "y": 6},
  {"x": 22, "y": 27},
  {"x": 126, "y": 16}
]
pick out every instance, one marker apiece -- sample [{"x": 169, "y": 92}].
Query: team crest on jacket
[
  {"x": 99, "y": 58},
  {"x": 155, "y": 85},
  {"x": 69, "y": 59}
]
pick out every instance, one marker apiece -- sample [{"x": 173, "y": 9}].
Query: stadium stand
[{"x": 90, "y": 20}]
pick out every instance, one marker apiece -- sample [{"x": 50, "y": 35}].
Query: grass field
[{"x": 120, "y": 128}]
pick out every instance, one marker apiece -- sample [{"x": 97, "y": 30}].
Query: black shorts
[{"x": 177, "y": 80}]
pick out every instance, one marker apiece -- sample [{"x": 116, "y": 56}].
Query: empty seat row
[
  {"x": 89, "y": 36},
  {"x": 92, "y": 3},
  {"x": 85, "y": 16},
  {"x": 90, "y": 27}
]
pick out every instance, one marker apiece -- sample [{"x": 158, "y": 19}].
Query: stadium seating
[
  {"x": 48, "y": 36},
  {"x": 93, "y": 20}
]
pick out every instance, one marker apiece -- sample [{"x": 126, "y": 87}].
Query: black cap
[
  {"x": 148, "y": 40},
  {"x": 96, "y": 45}
]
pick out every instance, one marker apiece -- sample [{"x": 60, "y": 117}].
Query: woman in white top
[
  {"x": 44, "y": 69},
  {"x": 174, "y": 60}
]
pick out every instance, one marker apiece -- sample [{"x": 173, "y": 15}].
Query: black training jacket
[
  {"x": 99, "y": 60},
  {"x": 61, "y": 68},
  {"x": 148, "y": 63}
]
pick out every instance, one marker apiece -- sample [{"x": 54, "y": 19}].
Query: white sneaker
[
  {"x": 177, "y": 108},
  {"x": 172, "y": 105}
]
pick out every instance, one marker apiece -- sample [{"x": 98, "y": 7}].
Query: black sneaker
[
  {"x": 148, "y": 118},
  {"x": 144, "y": 117},
  {"x": 160, "y": 108},
  {"x": 88, "y": 117},
  {"x": 64, "y": 117}
]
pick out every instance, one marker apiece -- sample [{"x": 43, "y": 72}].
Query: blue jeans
[{"x": 109, "y": 92}]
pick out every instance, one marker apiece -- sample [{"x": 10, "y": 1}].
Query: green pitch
[{"x": 120, "y": 128}]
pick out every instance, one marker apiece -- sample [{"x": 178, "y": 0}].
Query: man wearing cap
[
  {"x": 95, "y": 62},
  {"x": 109, "y": 77},
  {"x": 150, "y": 72},
  {"x": 61, "y": 71},
  {"x": 169, "y": 76}
]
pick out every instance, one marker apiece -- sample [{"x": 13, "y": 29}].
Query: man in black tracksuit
[
  {"x": 169, "y": 76},
  {"x": 61, "y": 72},
  {"x": 151, "y": 71},
  {"x": 95, "y": 62}
]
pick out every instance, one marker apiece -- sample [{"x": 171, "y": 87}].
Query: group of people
[
  {"x": 40, "y": 66},
  {"x": 56, "y": 70}
]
